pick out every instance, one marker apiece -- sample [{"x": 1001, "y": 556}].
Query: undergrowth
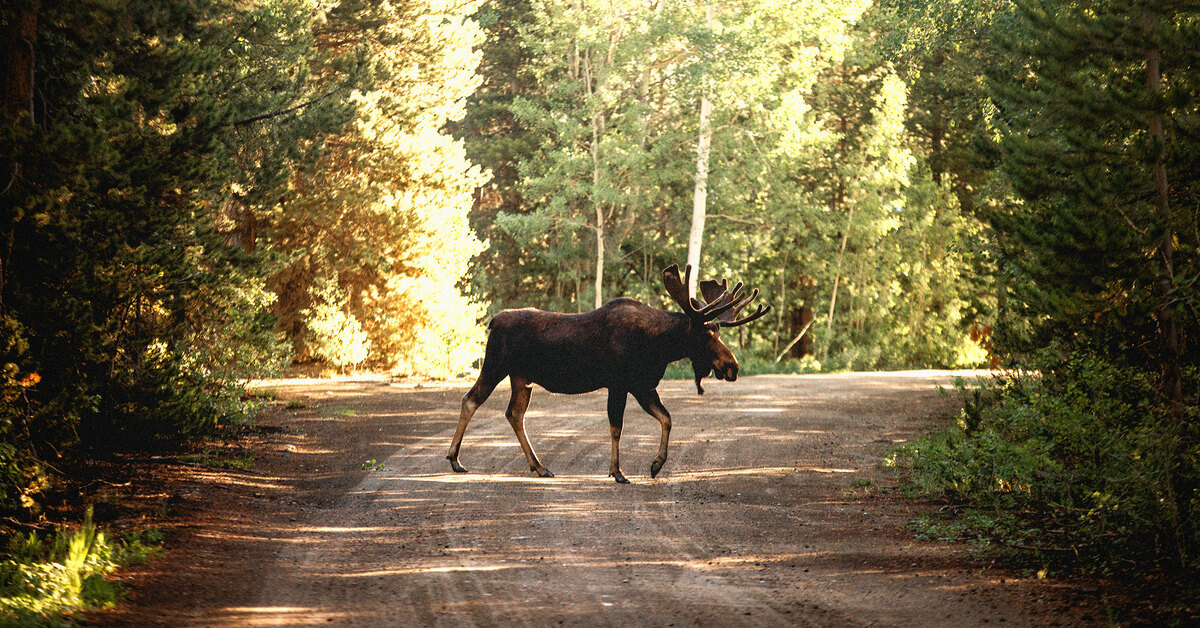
[
  {"x": 44, "y": 579},
  {"x": 217, "y": 459},
  {"x": 1079, "y": 467}
]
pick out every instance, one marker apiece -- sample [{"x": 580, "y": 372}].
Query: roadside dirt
[{"x": 773, "y": 510}]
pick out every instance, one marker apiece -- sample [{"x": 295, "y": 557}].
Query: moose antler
[
  {"x": 677, "y": 287},
  {"x": 723, "y": 304}
]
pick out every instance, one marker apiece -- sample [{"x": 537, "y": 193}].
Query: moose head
[{"x": 707, "y": 352}]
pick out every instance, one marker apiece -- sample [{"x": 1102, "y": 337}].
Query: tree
[
  {"x": 377, "y": 226},
  {"x": 700, "y": 195},
  {"x": 605, "y": 140},
  {"x": 127, "y": 309},
  {"x": 492, "y": 136},
  {"x": 609, "y": 139},
  {"x": 1098, "y": 144},
  {"x": 1095, "y": 231}
]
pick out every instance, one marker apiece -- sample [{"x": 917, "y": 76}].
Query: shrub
[
  {"x": 42, "y": 580},
  {"x": 1084, "y": 455},
  {"x": 334, "y": 335}
]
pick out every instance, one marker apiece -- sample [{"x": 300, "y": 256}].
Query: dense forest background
[{"x": 197, "y": 193}]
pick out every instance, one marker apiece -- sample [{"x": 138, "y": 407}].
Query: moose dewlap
[{"x": 624, "y": 346}]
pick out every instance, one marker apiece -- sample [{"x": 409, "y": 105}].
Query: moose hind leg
[
  {"x": 616, "y": 418},
  {"x": 471, "y": 401},
  {"x": 521, "y": 391},
  {"x": 654, "y": 407}
]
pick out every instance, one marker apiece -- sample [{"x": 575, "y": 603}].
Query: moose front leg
[
  {"x": 616, "y": 417},
  {"x": 654, "y": 407}
]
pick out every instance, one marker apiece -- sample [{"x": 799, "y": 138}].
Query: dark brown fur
[{"x": 624, "y": 346}]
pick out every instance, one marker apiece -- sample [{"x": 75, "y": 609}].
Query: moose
[{"x": 624, "y": 346}]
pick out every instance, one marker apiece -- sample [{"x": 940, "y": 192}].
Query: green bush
[
  {"x": 43, "y": 580},
  {"x": 334, "y": 335},
  {"x": 1085, "y": 457}
]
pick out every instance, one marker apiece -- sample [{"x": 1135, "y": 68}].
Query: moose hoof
[
  {"x": 458, "y": 468},
  {"x": 655, "y": 467},
  {"x": 619, "y": 477},
  {"x": 544, "y": 472}
]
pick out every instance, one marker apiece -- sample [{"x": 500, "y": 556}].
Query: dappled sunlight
[
  {"x": 561, "y": 480},
  {"x": 709, "y": 474},
  {"x": 237, "y": 479},
  {"x": 347, "y": 529},
  {"x": 753, "y": 505},
  {"x": 252, "y": 536},
  {"x": 426, "y": 570},
  {"x": 500, "y": 478},
  {"x": 477, "y": 565},
  {"x": 765, "y": 472},
  {"x": 284, "y": 616}
]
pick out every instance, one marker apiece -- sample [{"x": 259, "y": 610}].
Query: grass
[
  {"x": 372, "y": 465},
  {"x": 45, "y": 579},
  {"x": 211, "y": 458}
]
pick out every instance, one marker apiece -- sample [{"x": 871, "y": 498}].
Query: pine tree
[
  {"x": 1105, "y": 195},
  {"x": 127, "y": 309},
  {"x": 495, "y": 139},
  {"x": 1099, "y": 144}
]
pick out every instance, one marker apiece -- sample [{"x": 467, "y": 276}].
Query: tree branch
[{"x": 283, "y": 112}]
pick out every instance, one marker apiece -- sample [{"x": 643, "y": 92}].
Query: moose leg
[
  {"x": 471, "y": 401},
  {"x": 616, "y": 418},
  {"x": 654, "y": 407},
  {"x": 521, "y": 390}
]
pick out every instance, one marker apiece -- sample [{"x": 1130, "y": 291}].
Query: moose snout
[{"x": 727, "y": 372}]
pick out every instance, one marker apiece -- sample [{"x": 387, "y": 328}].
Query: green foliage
[
  {"x": 44, "y": 580},
  {"x": 816, "y": 192},
  {"x": 1084, "y": 240},
  {"x": 1076, "y": 464},
  {"x": 335, "y": 336},
  {"x": 1042, "y": 117},
  {"x": 173, "y": 168},
  {"x": 375, "y": 227},
  {"x": 129, "y": 310}
]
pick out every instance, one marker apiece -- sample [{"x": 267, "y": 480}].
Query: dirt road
[{"x": 773, "y": 510}]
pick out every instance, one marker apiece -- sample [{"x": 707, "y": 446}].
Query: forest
[{"x": 196, "y": 194}]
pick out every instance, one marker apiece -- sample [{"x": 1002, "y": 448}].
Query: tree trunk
[
  {"x": 1168, "y": 332},
  {"x": 1172, "y": 383},
  {"x": 782, "y": 301},
  {"x": 837, "y": 276},
  {"x": 937, "y": 131},
  {"x": 18, "y": 38},
  {"x": 839, "y": 201},
  {"x": 597, "y": 130},
  {"x": 700, "y": 196}
]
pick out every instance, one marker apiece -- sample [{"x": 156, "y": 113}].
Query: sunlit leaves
[{"x": 382, "y": 215}]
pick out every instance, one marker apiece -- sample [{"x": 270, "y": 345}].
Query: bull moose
[{"x": 624, "y": 346}]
